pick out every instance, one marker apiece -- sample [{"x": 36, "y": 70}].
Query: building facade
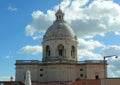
[{"x": 59, "y": 62}]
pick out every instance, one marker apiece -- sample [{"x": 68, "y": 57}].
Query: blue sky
[{"x": 23, "y": 23}]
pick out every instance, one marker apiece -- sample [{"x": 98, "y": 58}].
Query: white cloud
[
  {"x": 97, "y": 18},
  {"x": 88, "y": 44},
  {"x": 32, "y": 49},
  {"x": 8, "y": 56},
  {"x": 6, "y": 78},
  {"x": 111, "y": 50},
  {"x": 40, "y": 23},
  {"x": 117, "y": 33},
  {"x": 12, "y": 9},
  {"x": 37, "y": 37},
  {"x": 86, "y": 48},
  {"x": 30, "y": 30},
  {"x": 88, "y": 55}
]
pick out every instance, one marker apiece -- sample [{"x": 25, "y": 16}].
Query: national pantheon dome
[
  {"x": 59, "y": 42},
  {"x": 59, "y": 29}
]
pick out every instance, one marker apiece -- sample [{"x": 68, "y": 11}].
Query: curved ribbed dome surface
[{"x": 59, "y": 30}]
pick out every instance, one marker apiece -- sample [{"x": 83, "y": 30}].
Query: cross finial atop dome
[
  {"x": 59, "y": 7},
  {"x": 59, "y": 15}
]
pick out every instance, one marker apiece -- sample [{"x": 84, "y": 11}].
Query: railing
[
  {"x": 26, "y": 61},
  {"x": 59, "y": 62},
  {"x": 94, "y": 61}
]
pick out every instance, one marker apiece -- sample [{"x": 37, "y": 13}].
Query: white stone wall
[
  {"x": 67, "y": 48},
  {"x": 94, "y": 70},
  {"x": 22, "y": 69},
  {"x": 49, "y": 73},
  {"x": 59, "y": 72}
]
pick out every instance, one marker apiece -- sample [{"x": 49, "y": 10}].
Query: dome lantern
[{"x": 59, "y": 15}]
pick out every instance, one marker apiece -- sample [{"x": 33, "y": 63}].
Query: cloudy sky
[{"x": 23, "y": 24}]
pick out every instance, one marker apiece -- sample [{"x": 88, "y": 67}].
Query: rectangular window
[
  {"x": 81, "y": 75},
  {"x": 81, "y": 69},
  {"x": 41, "y": 75},
  {"x": 41, "y": 69}
]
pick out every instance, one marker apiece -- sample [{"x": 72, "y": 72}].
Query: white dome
[{"x": 59, "y": 30}]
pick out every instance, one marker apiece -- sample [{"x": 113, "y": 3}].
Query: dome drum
[{"x": 60, "y": 50}]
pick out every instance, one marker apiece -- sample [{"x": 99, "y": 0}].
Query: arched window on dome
[
  {"x": 73, "y": 51},
  {"x": 47, "y": 51},
  {"x": 60, "y": 50},
  {"x": 57, "y": 17}
]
